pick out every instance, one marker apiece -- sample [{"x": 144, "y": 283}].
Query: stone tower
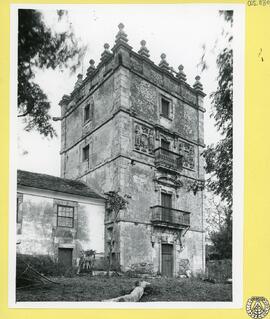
[{"x": 136, "y": 127}]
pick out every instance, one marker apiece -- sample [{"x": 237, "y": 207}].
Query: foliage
[
  {"x": 195, "y": 186},
  {"x": 219, "y": 270},
  {"x": 222, "y": 239},
  {"x": 218, "y": 227},
  {"x": 219, "y": 157},
  {"x": 116, "y": 202},
  {"x": 39, "y": 47},
  {"x": 214, "y": 210},
  {"x": 44, "y": 264},
  {"x": 228, "y": 15}
]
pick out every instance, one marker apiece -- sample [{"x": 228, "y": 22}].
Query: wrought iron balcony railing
[
  {"x": 166, "y": 215},
  {"x": 167, "y": 159}
]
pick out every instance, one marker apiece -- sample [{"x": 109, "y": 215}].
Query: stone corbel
[{"x": 157, "y": 134}]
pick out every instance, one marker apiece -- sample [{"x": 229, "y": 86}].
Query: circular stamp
[{"x": 257, "y": 307}]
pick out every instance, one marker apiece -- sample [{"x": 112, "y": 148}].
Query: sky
[{"x": 180, "y": 31}]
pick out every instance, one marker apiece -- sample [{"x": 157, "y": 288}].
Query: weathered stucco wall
[
  {"x": 90, "y": 231},
  {"x": 135, "y": 245},
  {"x": 194, "y": 250},
  {"x": 104, "y": 144},
  {"x": 39, "y": 233},
  {"x": 37, "y": 224},
  {"x": 137, "y": 231}
]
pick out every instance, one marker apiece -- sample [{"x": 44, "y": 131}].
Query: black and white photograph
[{"x": 127, "y": 125}]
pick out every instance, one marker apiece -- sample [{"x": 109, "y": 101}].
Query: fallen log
[{"x": 134, "y": 296}]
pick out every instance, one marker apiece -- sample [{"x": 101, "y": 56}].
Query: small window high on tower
[
  {"x": 85, "y": 153},
  {"x": 165, "y": 107},
  {"x": 87, "y": 112}
]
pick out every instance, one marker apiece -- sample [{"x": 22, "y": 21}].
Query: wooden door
[
  {"x": 65, "y": 257},
  {"x": 166, "y": 203},
  {"x": 167, "y": 260}
]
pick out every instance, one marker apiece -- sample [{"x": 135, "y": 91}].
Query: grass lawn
[{"x": 86, "y": 288}]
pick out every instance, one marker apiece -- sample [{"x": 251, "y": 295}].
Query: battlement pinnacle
[
  {"x": 91, "y": 68},
  {"x": 163, "y": 63},
  {"x": 106, "y": 53},
  {"x": 143, "y": 50},
  {"x": 181, "y": 75},
  {"x": 79, "y": 81},
  {"x": 198, "y": 85},
  {"x": 65, "y": 100},
  {"x": 121, "y": 35}
]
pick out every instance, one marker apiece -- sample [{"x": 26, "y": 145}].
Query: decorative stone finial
[
  {"x": 198, "y": 85},
  {"x": 143, "y": 50},
  {"x": 91, "y": 68},
  {"x": 181, "y": 75},
  {"x": 106, "y": 53},
  {"x": 163, "y": 63},
  {"x": 79, "y": 81},
  {"x": 121, "y": 35},
  {"x": 65, "y": 100}
]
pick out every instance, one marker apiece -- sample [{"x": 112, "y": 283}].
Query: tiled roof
[{"x": 53, "y": 183}]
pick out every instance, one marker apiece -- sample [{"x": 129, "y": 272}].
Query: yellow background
[{"x": 257, "y": 177}]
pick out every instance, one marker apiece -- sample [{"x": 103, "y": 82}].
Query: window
[
  {"x": 165, "y": 145},
  {"x": 165, "y": 107},
  {"x": 87, "y": 113},
  {"x": 166, "y": 200},
  {"x": 65, "y": 216},
  {"x": 166, "y": 203},
  {"x": 85, "y": 153}
]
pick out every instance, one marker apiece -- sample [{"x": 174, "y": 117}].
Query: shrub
[
  {"x": 43, "y": 264},
  {"x": 220, "y": 270}
]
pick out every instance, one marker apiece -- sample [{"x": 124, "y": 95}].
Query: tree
[
  {"x": 214, "y": 212},
  {"x": 115, "y": 203},
  {"x": 222, "y": 239},
  {"x": 219, "y": 157},
  {"x": 41, "y": 47},
  {"x": 218, "y": 227}
]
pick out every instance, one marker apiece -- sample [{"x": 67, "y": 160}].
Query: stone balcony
[
  {"x": 170, "y": 217},
  {"x": 168, "y": 160}
]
